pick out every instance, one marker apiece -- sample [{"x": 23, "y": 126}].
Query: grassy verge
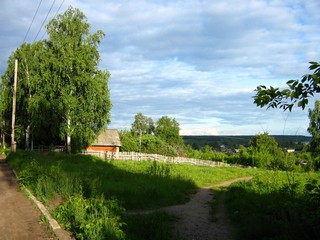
[
  {"x": 276, "y": 205},
  {"x": 91, "y": 189}
]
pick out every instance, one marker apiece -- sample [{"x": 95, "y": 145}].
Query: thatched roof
[{"x": 109, "y": 137}]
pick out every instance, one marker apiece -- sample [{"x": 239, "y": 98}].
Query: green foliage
[
  {"x": 30, "y": 174},
  {"x": 162, "y": 138},
  {"x": 298, "y": 91},
  {"x": 153, "y": 144},
  {"x": 4, "y": 150},
  {"x": 59, "y": 80},
  {"x": 265, "y": 152},
  {"x": 234, "y": 142},
  {"x": 276, "y": 205},
  {"x": 93, "y": 218},
  {"x": 312, "y": 189},
  {"x": 168, "y": 130},
  {"x": 149, "y": 144},
  {"x": 206, "y": 153},
  {"x": 142, "y": 125},
  {"x": 158, "y": 169},
  {"x": 47, "y": 182},
  {"x": 129, "y": 141},
  {"x": 314, "y": 128}
]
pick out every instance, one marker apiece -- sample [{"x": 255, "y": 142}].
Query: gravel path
[{"x": 194, "y": 217}]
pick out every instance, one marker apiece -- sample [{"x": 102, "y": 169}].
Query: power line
[
  {"x": 54, "y": 16},
  {"x": 44, "y": 20},
  {"x": 59, "y": 9},
  {"x": 32, "y": 21}
]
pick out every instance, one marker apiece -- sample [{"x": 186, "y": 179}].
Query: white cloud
[{"x": 198, "y": 61}]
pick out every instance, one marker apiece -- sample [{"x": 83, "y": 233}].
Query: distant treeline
[{"x": 232, "y": 142}]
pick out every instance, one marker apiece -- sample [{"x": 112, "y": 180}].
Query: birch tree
[
  {"x": 63, "y": 94},
  {"x": 81, "y": 93}
]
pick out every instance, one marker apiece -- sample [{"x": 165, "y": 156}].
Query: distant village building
[
  {"x": 290, "y": 150},
  {"x": 108, "y": 140}
]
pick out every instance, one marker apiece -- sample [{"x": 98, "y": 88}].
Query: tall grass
[{"x": 276, "y": 205}]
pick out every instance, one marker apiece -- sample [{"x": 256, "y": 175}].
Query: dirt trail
[
  {"x": 194, "y": 217},
  {"x": 19, "y": 219}
]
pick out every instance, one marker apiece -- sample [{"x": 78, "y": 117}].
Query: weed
[
  {"x": 157, "y": 169},
  {"x": 93, "y": 218},
  {"x": 30, "y": 174}
]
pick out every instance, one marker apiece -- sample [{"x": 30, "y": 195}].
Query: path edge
[{"x": 59, "y": 232}]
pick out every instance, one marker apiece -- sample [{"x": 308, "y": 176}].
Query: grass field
[
  {"x": 138, "y": 185},
  {"x": 106, "y": 190}
]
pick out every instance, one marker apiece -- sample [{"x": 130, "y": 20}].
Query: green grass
[
  {"x": 154, "y": 226},
  {"x": 127, "y": 181},
  {"x": 136, "y": 185},
  {"x": 276, "y": 205}
]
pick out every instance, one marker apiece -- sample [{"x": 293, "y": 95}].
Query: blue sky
[{"x": 196, "y": 61}]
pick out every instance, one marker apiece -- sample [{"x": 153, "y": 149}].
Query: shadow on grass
[
  {"x": 128, "y": 182},
  {"x": 259, "y": 213},
  {"x": 153, "y": 226}
]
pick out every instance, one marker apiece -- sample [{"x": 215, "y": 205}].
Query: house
[{"x": 108, "y": 140}]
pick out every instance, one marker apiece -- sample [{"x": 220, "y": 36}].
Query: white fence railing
[
  {"x": 43, "y": 148},
  {"x": 134, "y": 156}
]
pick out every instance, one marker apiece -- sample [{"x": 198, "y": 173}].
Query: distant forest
[{"x": 233, "y": 142}]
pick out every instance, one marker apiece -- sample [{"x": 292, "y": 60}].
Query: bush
[
  {"x": 149, "y": 144},
  {"x": 93, "y": 218},
  {"x": 30, "y": 174}
]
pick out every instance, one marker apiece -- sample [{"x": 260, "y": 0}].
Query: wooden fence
[
  {"x": 134, "y": 156},
  {"x": 43, "y": 148}
]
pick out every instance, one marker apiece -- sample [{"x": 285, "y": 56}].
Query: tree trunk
[
  {"x": 28, "y": 130},
  {"x": 31, "y": 141},
  {"x": 27, "y": 138},
  {"x": 3, "y": 136},
  {"x": 68, "y": 138}
]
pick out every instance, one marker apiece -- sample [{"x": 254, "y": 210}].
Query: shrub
[
  {"x": 30, "y": 174},
  {"x": 93, "y": 218}
]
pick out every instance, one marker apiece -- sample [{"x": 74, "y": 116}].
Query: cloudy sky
[{"x": 198, "y": 61}]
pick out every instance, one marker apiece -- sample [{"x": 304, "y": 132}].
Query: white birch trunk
[
  {"x": 68, "y": 140},
  {"x": 28, "y": 137},
  {"x": 3, "y": 136},
  {"x": 28, "y": 129}
]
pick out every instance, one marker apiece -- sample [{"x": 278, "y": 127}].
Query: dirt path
[
  {"x": 194, "y": 217},
  {"x": 19, "y": 219}
]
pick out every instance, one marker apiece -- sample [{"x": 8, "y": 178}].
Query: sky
[{"x": 198, "y": 61}]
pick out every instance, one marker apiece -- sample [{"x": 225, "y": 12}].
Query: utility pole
[{"x": 14, "y": 97}]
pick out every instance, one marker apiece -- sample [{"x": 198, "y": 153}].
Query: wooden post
[{"x": 13, "y": 143}]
